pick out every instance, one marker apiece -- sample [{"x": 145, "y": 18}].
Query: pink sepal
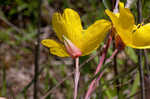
[{"x": 73, "y": 51}]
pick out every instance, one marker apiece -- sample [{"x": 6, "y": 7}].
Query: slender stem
[
  {"x": 111, "y": 57},
  {"x": 139, "y": 10},
  {"x": 76, "y": 77},
  {"x": 95, "y": 81},
  {"x": 37, "y": 49}
]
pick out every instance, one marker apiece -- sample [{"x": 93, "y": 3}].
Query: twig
[
  {"x": 139, "y": 10},
  {"x": 37, "y": 49}
]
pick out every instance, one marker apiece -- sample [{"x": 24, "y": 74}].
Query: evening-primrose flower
[
  {"x": 136, "y": 36},
  {"x": 76, "y": 41}
]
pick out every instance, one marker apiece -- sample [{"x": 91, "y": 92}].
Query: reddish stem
[
  {"x": 76, "y": 78},
  {"x": 112, "y": 56},
  {"x": 95, "y": 81}
]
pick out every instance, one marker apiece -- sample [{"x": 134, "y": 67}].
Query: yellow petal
[
  {"x": 124, "y": 23},
  {"x": 121, "y": 4},
  {"x": 126, "y": 18},
  {"x": 59, "y": 52},
  {"x": 68, "y": 24},
  {"x": 94, "y": 35},
  {"x": 50, "y": 43},
  {"x": 55, "y": 47},
  {"x": 130, "y": 34},
  {"x": 125, "y": 34},
  {"x": 113, "y": 17},
  {"x": 57, "y": 22},
  {"x": 141, "y": 37}
]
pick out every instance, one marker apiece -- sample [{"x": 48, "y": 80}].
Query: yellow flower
[
  {"x": 74, "y": 38},
  {"x": 132, "y": 35}
]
